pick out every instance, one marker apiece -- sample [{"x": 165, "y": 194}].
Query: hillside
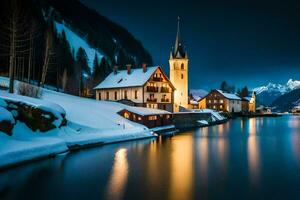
[
  {"x": 64, "y": 44},
  {"x": 287, "y": 101},
  {"x": 101, "y": 33}
]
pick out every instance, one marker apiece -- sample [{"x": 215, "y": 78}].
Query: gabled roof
[
  {"x": 146, "y": 111},
  {"x": 229, "y": 95},
  {"x": 136, "y": 78}
]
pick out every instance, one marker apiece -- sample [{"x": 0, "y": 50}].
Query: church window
[
  {"x": 181, "y": 76},
  {"x": 182, "y": 66}
]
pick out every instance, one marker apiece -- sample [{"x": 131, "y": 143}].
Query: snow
[
  {"x": 89, "y": 122},
  {"x": 47, "y": 106},
  {"x": 26, "y": 145},
  {"x": 293, "y": 84},
  {"x": 216, "y": 115},
  {"x": 229, "y": 95},
  {"x": 203, "y": 122},
  {"x": 271, "y": 87},
  {"x": 4, "y": 82},
  {"x": 198, "y": 93},
  {"x": 146, "y": 111},
  {"x": 122, "y": 79},
  {"x": 5, "y": 115},
  {"x": 247, "y": 98},
  {"x": 76, "y": 42}
]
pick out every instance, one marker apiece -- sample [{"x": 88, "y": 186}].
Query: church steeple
[{"x": 178, "y": 51}]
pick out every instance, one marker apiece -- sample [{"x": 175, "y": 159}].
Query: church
[
  {"x": 179, "y": 72},
  {"x": 149, "y": 86}
]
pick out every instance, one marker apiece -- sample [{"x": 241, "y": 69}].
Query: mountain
[
  {"x": 267, "y": 94},
  {"x": 197, "y": 94},
  {"x": 65, "y": 44},
  {"x": 106, "y": 37},
  {"x": 287, "y": 101}
]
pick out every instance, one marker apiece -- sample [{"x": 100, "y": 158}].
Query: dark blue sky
[{"x": 243, "y": 42}]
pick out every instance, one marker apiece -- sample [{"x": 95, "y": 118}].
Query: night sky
[{"x": 243, "y": 42}]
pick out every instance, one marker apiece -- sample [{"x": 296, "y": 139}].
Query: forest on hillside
[{"x": 33, "y": 51}]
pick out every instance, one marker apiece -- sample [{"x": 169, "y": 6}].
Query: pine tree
[
  {"x": 82, "y": 68},
  {"x": 224, "y": 86}
]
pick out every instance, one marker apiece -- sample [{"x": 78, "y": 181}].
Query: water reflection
[
  {"x": 119, "y": 176},
  {"x": 181, "y": 183},
  {"x": 253, "y": 153}
]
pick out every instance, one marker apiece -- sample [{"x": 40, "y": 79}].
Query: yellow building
[{"x": 179, "y": 72}]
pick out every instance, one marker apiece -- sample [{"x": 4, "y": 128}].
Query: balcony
[
  {"x": 164, "y": 90},
  {"x": 157, "y": 79},
  {"x": 165, "y": 100},
  {"x": 151, "y": 100},
  {"x": 152, "y": 89}
]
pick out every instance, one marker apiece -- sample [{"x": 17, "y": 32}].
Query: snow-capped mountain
[
  {"x": 271, "y": 87},
  {"x": 267, "y": 94}
]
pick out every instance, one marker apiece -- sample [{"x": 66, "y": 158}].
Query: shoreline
[{"x": 71, "y": 148}]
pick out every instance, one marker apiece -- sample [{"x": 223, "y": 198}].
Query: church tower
[{"x": 179, "y": 72}]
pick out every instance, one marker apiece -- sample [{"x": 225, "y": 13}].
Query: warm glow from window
[{"x": 151, "y": 118}]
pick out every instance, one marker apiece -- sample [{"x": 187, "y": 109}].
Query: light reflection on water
[
  {"x": 243, "y": 159},
  {"x": 119, "y": 176}
]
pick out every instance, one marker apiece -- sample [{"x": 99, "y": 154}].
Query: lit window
[
  {"x": 152, "y": 118},
  {"x": 215, "y": 101},
  {"x": 221, "y": 101},
  {"x": 139, "y": 118},
  {"x": 209, "y": 101},
  {"x": 214, "y": 107},
  {"x": 126, "y": 115},
  {"x": 221, "y": 106}
]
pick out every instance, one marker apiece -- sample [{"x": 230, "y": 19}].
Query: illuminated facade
[{"x": 179, "y": 72}]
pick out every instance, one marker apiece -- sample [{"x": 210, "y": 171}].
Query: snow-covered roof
[
  {"x": 122, "y": 79},
  {"x": 247, "y": 98},
  {"x": 146, "y": 111},
  {"x": 229, "y": 95}
]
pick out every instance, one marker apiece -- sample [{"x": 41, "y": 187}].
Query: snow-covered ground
[{"x": 89, "y": 122}]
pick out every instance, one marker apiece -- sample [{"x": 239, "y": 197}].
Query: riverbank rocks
[
  {"x": 7, "y": 121},
  {"x": 37, "y": 114}
]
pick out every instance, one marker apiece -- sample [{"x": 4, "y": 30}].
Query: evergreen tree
[
  {"x": 224, "y": 86},
  {"x": 82, "y": 68},
  {"x": 244, "y": 92}
]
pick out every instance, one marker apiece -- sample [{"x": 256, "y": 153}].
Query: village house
[
  {"x": 249, "y": 103},
  {"x": 221, "y": 101},
  {"x": 150, "y": 118},
  {"x": 144, "y": 87}
]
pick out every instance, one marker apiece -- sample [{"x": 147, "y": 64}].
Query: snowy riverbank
[{"x": 90, "y": 122}]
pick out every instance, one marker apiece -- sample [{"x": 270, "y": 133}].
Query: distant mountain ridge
[
  {"x": 269, "y": 93},
  {"x": 287, "y": 101}
]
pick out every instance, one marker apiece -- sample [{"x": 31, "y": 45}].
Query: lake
[{"x": 242, "y": 159}]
